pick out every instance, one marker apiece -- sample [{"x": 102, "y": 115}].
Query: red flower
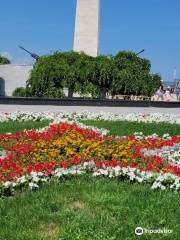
[
  {"x": 64, "y": 164},
  {"x": 76, "y": 160}
]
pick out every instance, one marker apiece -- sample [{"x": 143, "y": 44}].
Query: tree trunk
[
  {"x": 70, "y": 91},
  {"x": 103, "y": 92}
]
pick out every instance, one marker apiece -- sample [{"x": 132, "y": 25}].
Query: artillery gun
[{"x": 33, "y": 55}]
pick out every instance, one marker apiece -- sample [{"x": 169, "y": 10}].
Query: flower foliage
[
  {"x": 32, "y": 157},
  {"x": 86, "y": 115}
]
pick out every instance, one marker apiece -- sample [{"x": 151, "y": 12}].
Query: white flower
[
  {"x": 44, "y": 179},
  {"x": 7, "y": 184},
  {"x": 58, "y": 117},
  {"x": 79, "y": 172},
  {"x": 22, "y": 179},
  {"x": 117, "y": 171},
  {"x": 95, "y": 174},
  {"x": 33, "y": 185},
  {"x": 160, "y": 178},
  {"x": 40, "y": 174},
  {"x": 34, "y": 174},
  {"x": 163, "y": 187},
  {"x": 89, "y": 165},
  {"x": 58, "y": 174},
  {"x": 35, "y": 179},
  {"x": 132, "y": 177},
  {"x": 140, "y": 180},
  {"x": 156, "y": 185}
]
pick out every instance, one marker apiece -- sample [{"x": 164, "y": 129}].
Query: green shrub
[
  {"x": 19, "y": 92},
  {"x": 4, "y": 60},
  {"x": 54, "y": 93}
]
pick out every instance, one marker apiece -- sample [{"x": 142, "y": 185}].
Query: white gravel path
[{"x": 40, "y": 108}]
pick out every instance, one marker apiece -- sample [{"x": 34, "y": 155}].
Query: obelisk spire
[{"x": 86, "y": 36}]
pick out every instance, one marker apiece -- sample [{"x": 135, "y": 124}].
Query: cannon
[{"x": 33, "y": 55}]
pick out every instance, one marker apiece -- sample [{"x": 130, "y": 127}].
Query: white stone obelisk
[{"x": 86, "y": 36}]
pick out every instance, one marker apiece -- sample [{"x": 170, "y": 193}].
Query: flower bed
[
  {"x": 32, "y": 157},
  {"x": 134, "y": 117}
]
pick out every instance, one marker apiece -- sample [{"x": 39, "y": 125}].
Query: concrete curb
[{"x": 86, "y": 102}]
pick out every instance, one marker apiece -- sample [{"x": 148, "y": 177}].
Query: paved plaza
[{"x": 116, "y": 110}]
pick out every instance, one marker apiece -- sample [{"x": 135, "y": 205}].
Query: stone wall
[{"x": 13, "y": 76}]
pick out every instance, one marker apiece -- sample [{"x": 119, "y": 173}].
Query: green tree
[
  {"x": 52, "y": 73},
  {"x": 87, "y": 90},
  {"x": 4, "y": 60},
  {"x": 103, "y": 73},
  {"x": 133, "y": 75},
  {"x": 47, "y": 76},
  {"x": 76, "y": 71},
  {"x": 125, "y": 73}
]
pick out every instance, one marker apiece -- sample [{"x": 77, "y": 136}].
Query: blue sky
[{"x": 47, "y": 25}]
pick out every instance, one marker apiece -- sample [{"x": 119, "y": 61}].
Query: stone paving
[{"x": 33, "y": 108}]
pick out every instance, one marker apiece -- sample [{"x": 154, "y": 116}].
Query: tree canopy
[
  {"x": 133, "y": 75},
  {"x": 47, "y": 77},
  {"x": 54, "y": 72},
  {"x": 4, "y": 60},
  {"x": 125, "y": 73}
]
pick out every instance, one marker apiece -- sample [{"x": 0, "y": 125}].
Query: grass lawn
[
  {"x": 123, "y": 128},
  {"x": 13, "y": 127},
  {"x": 86, "y": 208}
]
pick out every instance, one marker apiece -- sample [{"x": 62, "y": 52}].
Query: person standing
[
  {"x": 177, "y": 88},
  {"x": 159, "y": 93},
  {"x": 167, "y": 95}
]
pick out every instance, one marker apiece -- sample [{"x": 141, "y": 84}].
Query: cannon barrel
[{"x": 33, "y": 55}]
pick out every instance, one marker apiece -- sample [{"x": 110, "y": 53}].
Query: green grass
[
  {"x": 86, "y": 208},
  {"x": 13, "y": 127},
  {"x": 123, "y": 128}
]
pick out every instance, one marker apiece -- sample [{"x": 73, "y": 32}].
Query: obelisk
[{"x": 86, "y": 36}]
